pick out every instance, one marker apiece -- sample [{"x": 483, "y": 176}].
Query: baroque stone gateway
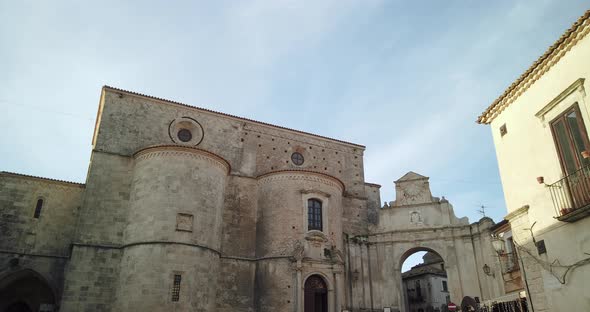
[{"x": 186, "y": 209}]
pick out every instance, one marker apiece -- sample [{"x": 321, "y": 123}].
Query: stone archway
[
  {"x": 426, "y": 275},
  {"x": 315, "y": 294},
  {"x": 416, "y": 221},
  {"x": 26, "y": 290}
]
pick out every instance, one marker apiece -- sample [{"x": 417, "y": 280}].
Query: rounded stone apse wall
[
  {"x": 172, "y": 239},
  {"x": 283, "y": 199},
  {"x": 284, "y": 234}
]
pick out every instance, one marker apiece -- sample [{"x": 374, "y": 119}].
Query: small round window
[
  {"x": 184, "y": 135},
  {"x": 297, "y": 158}
]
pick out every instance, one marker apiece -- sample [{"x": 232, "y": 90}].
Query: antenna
[{"x": 482, "y": 210}]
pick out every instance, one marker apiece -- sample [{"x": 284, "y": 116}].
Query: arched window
[
  {"x": 314, "y": 214},
  {"x": 38, "y": 208}
]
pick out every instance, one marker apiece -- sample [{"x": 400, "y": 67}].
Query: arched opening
[
  {"x": 26, "y": 291},
  {"x": 316, "y": 294},
  {"x": 424, "y": 281}
]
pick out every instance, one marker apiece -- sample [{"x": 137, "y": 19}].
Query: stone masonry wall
[
  {"x": 110, "y": 271},
  {"x": 52, "y": 232},
  {"x": 93, "y": 270}
]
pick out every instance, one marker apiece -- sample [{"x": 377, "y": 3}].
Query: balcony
[
  {"x": 509, "y": 262},
  {"x": 571, "y": 196}
]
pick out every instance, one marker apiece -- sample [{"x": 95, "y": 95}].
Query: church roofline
[
  {"x": 31, "y": 177},
  {"x": 225, "y": 115},
  {"x": 555, "y": 52},
  {"x": 411, "y": 176}
]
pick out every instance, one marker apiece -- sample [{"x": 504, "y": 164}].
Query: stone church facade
[{"x": 186, "y": 209}]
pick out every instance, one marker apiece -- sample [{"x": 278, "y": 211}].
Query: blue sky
[{"x": 405, "y": 78}]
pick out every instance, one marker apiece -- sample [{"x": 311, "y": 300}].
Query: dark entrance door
[
  {"x": 18, "y": 307},
  {"x": 316, "y": 294},
  {"x": 24, "y": 291}
]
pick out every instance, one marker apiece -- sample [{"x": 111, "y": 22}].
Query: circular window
[
  {"x": 184, "y": 135},
  {"x": 297, "y": 158}
]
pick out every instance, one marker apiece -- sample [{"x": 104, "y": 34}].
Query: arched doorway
[
  {"x": 316, "y": 294},
  {"x": 25, "y": 291},
  {"x": 424, "y": 281}
]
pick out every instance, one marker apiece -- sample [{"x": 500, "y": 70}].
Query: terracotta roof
[
  {"x": 228, "y": 115},
  {"x": 499, "y": 225},
  {"x": 555, "y": 52},
  {"x": 20, "y": 175}
]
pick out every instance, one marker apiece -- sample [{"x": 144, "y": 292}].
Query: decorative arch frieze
[
  {"x": 301, "y": 175},
  {"x": 165, "y": 151}
]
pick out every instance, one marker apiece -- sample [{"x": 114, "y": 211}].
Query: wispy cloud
[{"x": 405, "y": 79}]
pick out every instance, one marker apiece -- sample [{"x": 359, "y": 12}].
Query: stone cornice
[
  {"x": 373, "y": 185},
  {"x": 316, "y": 192},
  {"x": 577, "y": 85},
  {"x": 516, "y": 213},
  {"x": 302, "y": 174},
  {"x": 41, "y": 179},
  {"x": 563, "y": 45},
  {"x": 177, "y": 149}
]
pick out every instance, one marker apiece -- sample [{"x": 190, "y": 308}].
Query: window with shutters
[{"x": 571, "y": 140}]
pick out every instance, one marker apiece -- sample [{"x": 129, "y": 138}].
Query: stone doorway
[
  {"x": 316, "y": 294},
  {"x": 25, "y": 291}
]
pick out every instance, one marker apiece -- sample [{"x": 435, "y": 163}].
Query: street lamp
[
  {"x": 488, "y": 271},
  {"x": 355, "y": 275},
  {"x": 498, "y": 244}
]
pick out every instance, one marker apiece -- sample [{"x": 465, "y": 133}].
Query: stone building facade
[{"x": 186, "y": 209}]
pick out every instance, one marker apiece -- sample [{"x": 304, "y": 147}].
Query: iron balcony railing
[
  {"x": 571, "y": 192},
  {"x": 509, "y": 262}
]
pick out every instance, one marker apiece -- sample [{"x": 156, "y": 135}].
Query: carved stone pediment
[
  {"x": 412, "y": 189},
  {"x": 316, "y": 238}
]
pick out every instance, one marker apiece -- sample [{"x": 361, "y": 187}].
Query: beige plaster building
[
  {"x": 540, "y": 129},
  {"x": 425, "y": 285},
  {"x": 186, "y": 209}
]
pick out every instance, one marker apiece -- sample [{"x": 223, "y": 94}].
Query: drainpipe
[
  {"x": 526, "y": 284},
  {"x": 349, "y": 273}
]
